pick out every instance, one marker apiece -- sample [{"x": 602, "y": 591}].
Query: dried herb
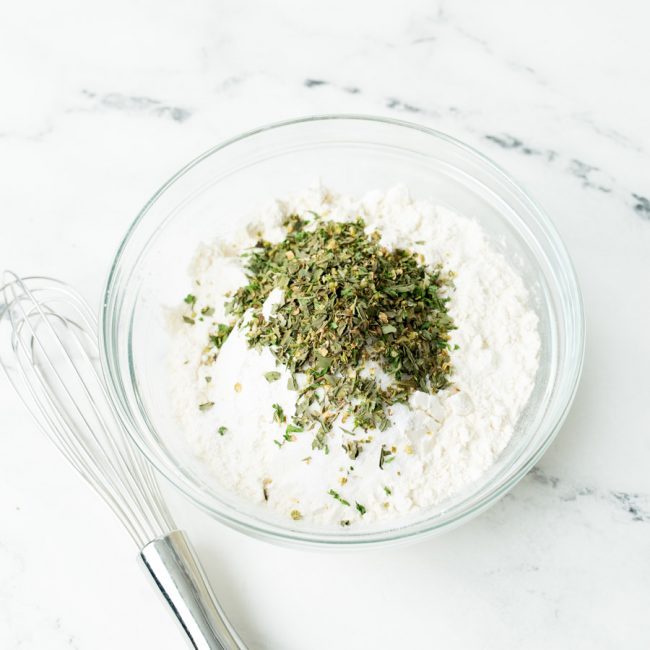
[
  {"x": 348, "y": 305},
  {"x": 222, "y": 430},
  {"x": 344, "y": 522},
  {"x": 265, "y": 488},
  {"x": 362, "y": 509},
  {"x": 278, "y": 414},
  {"x": 338, "y": 497},
  {"x": 272, "y": 376},
  {"x": 292, "y": 384},
  {"x": 352, "y": 448},
  {"x": 188, "y": 320},
  {"x": 385, "y": 456},
  {"x": 286, "y": 437},
  {"x": 190, "y": 299},
  {"x": 296, "y": 515},
  {"x": 220, "y": 334},
  {"x": 206, "y": 406}
]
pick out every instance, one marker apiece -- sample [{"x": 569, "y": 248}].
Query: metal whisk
[{"x": 49, "y": 351}]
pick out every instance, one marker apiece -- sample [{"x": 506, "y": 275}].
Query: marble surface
[{"x": 102, "y": 102}]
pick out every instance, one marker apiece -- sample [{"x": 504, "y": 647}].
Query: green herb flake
[
  {"x": 296, "y": 515},
  {"x": 345, "y": 522},
  {"x": 337, "y": 496},
  {"x": 222, "y": 430},
  {"x": 387, "y": 490},
  {"x": 220, "y": 334},
  {"x": 206, "y": 406},
  {"x": 278, "y": 414},
  {"x": 208, "y": 311},
  {"x": 188, "y": 320},
  {"x": 190, "y": 299},
  {"x": 385, "y": 456},
  {"x": 352, "y": 448},
  {"x": 272, "y": 376},
  {"x": 362, "y": 509}
]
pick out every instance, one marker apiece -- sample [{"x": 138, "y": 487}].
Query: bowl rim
[{"x": 394, "y": 535}]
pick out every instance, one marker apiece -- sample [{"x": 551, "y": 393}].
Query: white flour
[{"x": 442, "y": 442}]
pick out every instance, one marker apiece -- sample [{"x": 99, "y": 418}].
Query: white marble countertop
[{"x": 102, "y": 102}]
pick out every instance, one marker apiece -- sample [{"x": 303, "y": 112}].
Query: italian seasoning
[{"x": 348, "y": 305}]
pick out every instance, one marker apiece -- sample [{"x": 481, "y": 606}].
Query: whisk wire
[
  {"x": 143, "y": 470},
  {"x": 83, "y": 457},
  {"x": 50, "y": 419},
  {"x": 81, "y": 423}
]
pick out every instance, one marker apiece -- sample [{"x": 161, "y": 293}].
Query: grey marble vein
[
  {"x": 590, "y": 176},
  {"x": 634, "y": 504},
  {"x": 483, "y": 44},
  {"x": 641, "y": 205},
  {"x": 312, "y": 83},
  {"x": 424, "y": 39},
  {"x": 613, "y": 135},
  {"x": 391, "y": 102},
  {"x": 70, "y": 638},
  {"x": 398, "y": 104},
  {"x": 139, "y": 104},
  {"x": 507, "y": 141}
]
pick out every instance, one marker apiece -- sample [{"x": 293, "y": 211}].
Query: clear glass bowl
[{"x": 351, "y": 154}]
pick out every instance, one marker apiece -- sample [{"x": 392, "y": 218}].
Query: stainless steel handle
[{"x": 175, "y": 568}]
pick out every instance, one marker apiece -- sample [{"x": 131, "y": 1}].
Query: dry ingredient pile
[{"x": 343, "y": 361}]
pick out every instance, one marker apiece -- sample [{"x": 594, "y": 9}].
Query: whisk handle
[{"x": 175, "y": 568}]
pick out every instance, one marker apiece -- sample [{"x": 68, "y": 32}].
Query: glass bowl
[{"x": 350, "y": 154}]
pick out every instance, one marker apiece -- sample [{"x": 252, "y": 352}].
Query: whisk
[{"x": 50, "y": 354}]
